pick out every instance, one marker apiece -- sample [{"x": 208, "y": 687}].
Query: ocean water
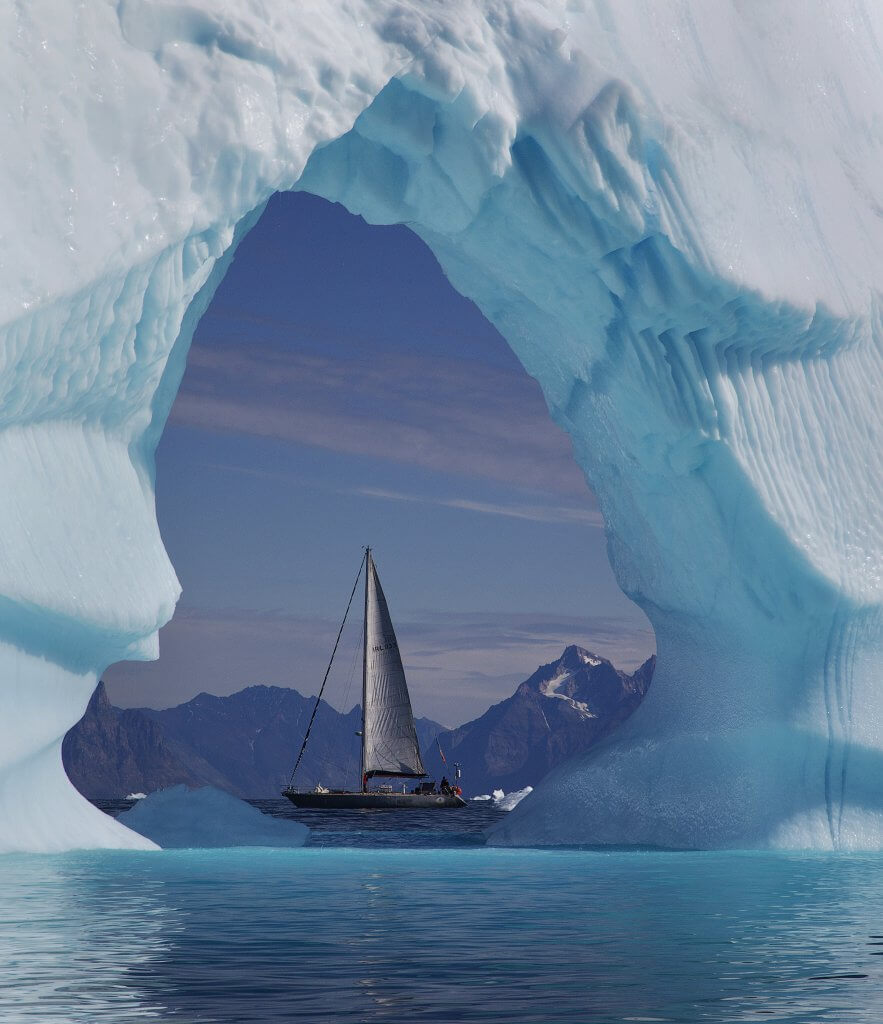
[{"x": 387, "y": 919}]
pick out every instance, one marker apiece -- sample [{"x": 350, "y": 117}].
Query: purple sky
[{"x": 339, "y": 393}]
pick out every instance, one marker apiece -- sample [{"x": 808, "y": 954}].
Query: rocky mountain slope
[
  {"x": 111, "y": 752},
  {"x": 245, "y": 743},
  {"x": 563, "y": 708}
]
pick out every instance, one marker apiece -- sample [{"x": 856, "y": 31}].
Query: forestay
[{"x": 390, "y": 739}]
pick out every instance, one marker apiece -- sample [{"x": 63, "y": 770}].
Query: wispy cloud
[
  {"x": 534, "y": 513},
  {"x": 449, "y": 415},
  {"x": 458, "y": 664}
]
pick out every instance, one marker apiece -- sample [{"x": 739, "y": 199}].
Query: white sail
[{"x": 390, "y": 739}]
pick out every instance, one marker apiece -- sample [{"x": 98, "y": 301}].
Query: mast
[{"x": 363, "y": 782}]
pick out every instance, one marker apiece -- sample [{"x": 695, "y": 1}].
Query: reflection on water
[
  {"x": 74, "y": 933},
  {"x": 461, "y": 933}
]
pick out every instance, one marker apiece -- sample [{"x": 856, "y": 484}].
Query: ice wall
[{"x": 671, "y": 211}]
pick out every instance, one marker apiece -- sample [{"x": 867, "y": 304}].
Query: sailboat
[{"x": 390, "y": 749}]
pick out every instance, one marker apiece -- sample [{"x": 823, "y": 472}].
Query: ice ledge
[
  {"x": 40, "y": 811},
  {"x": 84, "y": 575}
]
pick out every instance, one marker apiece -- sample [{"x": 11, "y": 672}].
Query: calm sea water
[{"x": 385, "y": 919}]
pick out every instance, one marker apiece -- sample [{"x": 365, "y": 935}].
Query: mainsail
[{"x": 389, "y": 738}]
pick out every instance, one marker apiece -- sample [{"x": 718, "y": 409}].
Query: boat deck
[{"x": 374, "y": 801}]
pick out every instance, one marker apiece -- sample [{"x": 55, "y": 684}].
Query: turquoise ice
[{"x": 672, "y": 213}]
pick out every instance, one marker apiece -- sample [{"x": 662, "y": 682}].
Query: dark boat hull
[{"x": 374, "y": 801}]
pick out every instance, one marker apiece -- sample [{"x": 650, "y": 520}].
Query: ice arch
[{"x": 674, "y": 216}]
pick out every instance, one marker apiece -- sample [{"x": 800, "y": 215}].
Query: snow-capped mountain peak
[
  {"x": 563, "y": 708},
  {"x": 588, "y": 684}
]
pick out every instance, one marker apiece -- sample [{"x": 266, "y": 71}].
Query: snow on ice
[{"x": 672, "y": 214}]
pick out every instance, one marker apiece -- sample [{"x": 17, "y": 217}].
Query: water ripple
[{"x": 389, "y": 933}]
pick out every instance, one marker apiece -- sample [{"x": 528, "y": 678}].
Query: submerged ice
[
  {"x": 207, "y": 817},
  {"x": 672, "y": 213}
]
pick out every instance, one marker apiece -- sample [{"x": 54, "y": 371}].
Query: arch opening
[{"x": 338, "y": 391}]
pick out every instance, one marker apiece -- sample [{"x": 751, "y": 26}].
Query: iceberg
[
  {"x": 509, "y": 801},
  {"x": 673, "y": 217},
  {"x": 179, "y": 817}
]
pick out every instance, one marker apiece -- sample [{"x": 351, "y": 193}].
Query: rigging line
[
  {"x": 333, "y": 766},
  {"x": 327, "y": 763},
  {"x": 327, "y": 673}
]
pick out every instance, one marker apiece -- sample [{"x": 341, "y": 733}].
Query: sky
[{"x": 340, "y": 393}]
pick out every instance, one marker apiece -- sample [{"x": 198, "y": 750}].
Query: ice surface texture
[
  {"x": 672, "y": 211},
  {"x": 179, "y": 817}
]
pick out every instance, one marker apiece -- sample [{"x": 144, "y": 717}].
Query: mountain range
[{"x": 246, "y": 743}]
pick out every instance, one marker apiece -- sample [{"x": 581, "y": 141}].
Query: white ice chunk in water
[
  {"x": 508, "y": 801},
  {"x": 208, "y": 817}
]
